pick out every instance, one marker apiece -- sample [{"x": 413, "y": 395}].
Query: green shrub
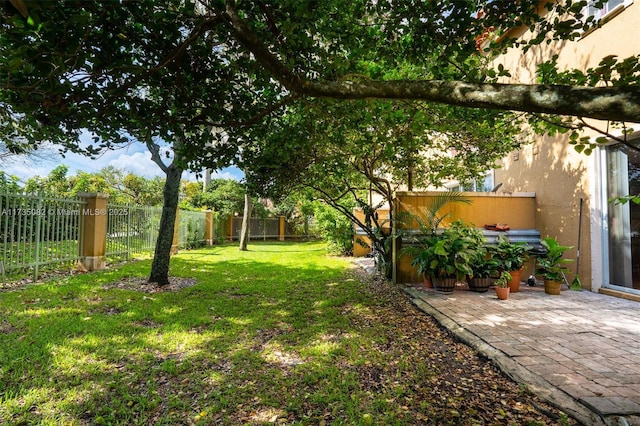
[{"x": 335, "y": 229}]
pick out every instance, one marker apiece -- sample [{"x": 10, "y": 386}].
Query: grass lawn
[{"x": 280, "y": 334}]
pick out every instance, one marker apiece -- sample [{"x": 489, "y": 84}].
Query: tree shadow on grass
[{"x": 95, "y": 354}]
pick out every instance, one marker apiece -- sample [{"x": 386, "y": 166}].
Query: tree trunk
[
  {"x": 160, "y": 265},
  {"x": 244, "y": 233}
]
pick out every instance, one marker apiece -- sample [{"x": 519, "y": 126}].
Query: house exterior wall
[{"x": 549, "y": 166}]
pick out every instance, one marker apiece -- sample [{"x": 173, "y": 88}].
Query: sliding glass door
[{"x": 623, "y": 178}]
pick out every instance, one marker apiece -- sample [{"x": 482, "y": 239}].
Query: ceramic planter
[
  {"x": 552, "y": 287},
  {"x": 514, "y": 284},
  {"x": 426, "y": 280}
]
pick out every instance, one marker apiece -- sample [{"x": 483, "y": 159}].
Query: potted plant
[
  {"x": 428, "y": 222},
  {"x": 484, "y": 267},
  {"x": 512, "y": 256},
  {"x": 452, "y": 255},
  {"x": 502, "y": 285},
  {"x": 423, "y": 255},
  {"x": 551, "y": 265}
]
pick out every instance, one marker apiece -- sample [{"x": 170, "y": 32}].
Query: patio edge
[{"x": 511, "y": 368}]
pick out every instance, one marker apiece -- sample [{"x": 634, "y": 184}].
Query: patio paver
[{"x": 580, "y": 350}]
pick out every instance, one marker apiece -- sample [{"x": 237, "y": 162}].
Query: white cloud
[
  {"x": 134, "y": 159},
  {"x": 138, "y": 163},
  {"x": 228, "y": 173},
  {"x": 24, "y": 169}
]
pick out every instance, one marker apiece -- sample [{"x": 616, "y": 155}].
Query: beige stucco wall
[
  {"x": 560, "y": 177},
  {"x": 549, "y": 166},
  {"x": 618, "y": 36}
]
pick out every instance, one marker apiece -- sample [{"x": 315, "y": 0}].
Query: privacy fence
[{"x": 38, "y": 231}]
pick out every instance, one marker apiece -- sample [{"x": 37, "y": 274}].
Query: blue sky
[{"x": 134, "y": 158}]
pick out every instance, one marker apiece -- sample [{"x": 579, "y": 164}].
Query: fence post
[
  {"x": 176, "y": 234},
  {"x": 94, "y": 232},
  {"x": 37, "y": 239},
  {"x": 128, "y": 254},
  {"x": 208, "y": 227},
  {"x": 281, "y": 229},
  {"x": 230, "y": 219}
]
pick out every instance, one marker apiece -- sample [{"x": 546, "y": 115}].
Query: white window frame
[
  {"x": 605, "y": 12},
  {"x": 455, "y": 185},
  {"x": 599, "y": 215}
]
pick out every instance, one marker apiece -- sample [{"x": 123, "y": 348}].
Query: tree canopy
[
  {"x": 359, "y": 154},
  {"x": 149, "y": 69},
  {"x": 121, "y": 187},
  {"x": 225, "y": 196}
]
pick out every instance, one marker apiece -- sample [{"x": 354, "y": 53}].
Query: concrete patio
[{"x": 580, "y": 350}]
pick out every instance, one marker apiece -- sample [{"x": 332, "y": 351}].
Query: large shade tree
[
  {"x": 360, "y": 154},
  {"x": 147, "y": 72},
  {"x": 171, "y": 71}
]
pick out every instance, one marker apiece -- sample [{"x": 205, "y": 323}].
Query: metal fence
[
  {"x": 131, "y": 229},
  {"x": 191, "y": 229},
  {"x": 259, "y": 229},
  {"x": 269, "y": 229},
  {"x": 36, "y": 230}
]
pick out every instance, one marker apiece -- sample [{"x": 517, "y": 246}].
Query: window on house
[
  {"x": 608, "y": 7},
  {"x": 478, "y": 185}
]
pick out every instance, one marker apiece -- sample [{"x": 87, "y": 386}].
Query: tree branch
[
  {"x": 166, "y": 61},
  {"x": 204, "y": 118},
  {"x": 604, "y": 103},
  {"x": 623, "y": 140},
  {"x": 154, "y": 149},
  {"x": 620, "y": 103},
  {"x": 250, "y": 40}
]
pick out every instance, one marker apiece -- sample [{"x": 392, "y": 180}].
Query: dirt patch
[{"x": 143, "y": 285}]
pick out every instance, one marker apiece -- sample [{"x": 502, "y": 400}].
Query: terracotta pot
[
  {"x": 480, "y": 285},
  {"x": 514, "y": 284},
  {"x": 552, "y": 287},
  {"x": 444, "y": 285},
  {"x": 502, "y": 292},
  {"x": 426, "y": 280}
]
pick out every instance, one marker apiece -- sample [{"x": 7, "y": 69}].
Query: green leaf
[{"x": 440, "y": 250}]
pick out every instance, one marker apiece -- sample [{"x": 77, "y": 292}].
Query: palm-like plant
[
  {"x": 428, "y": 221},
  {"x": 432, "y": 215}
]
